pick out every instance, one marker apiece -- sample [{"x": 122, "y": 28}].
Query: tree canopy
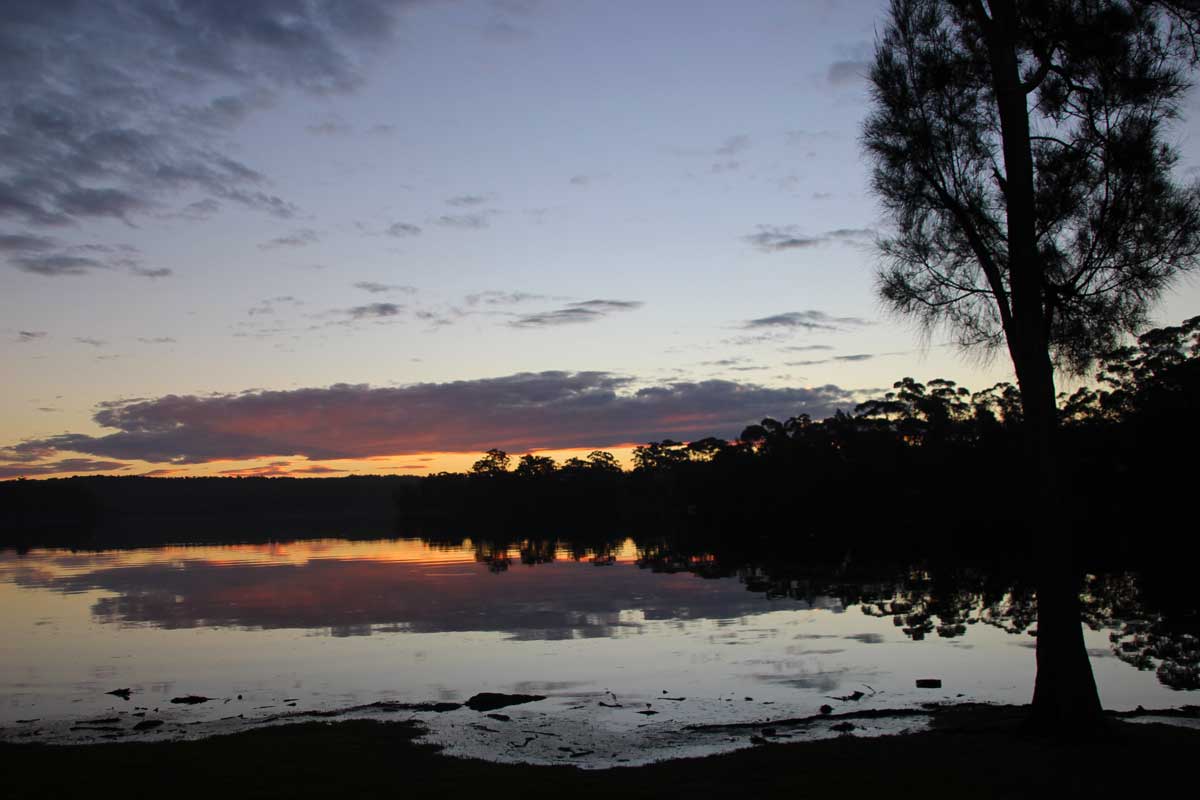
[{"x": 1082, "y": 169}]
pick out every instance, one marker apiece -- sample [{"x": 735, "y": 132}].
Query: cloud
[
  {"x": 380, "y": 288},
  {"x": 808, "y": 320},
  {"x": 774, "y": 238},
  {"x": 463, "y": 221},
  {"x": 374, "y": 310},
  {"x": 43, "y": 255},
  {"x": 30, "y": 336},
  {"x": 434, "y": 318},
  {"x": 299, "y": 238},
  {"x": 160, "y": 272},
  {"x": 156, "y": 340},
  {"x": 803, "y": 348},
  {"x": 62, "y": 465},
  {"x": 200, "y": 210},
  {"x": 848, "y": 73},
  {"x": 329, "y": 127},
  {"x": 734, "y": 145},
  {"x": 806, "y": 138},
  {"x": 850, "y": 234},
  {"x": 517, "y": 413},
  {"x": 23, "y": 243},
  {"x": 269, "y": 305},
  {"x": 496, "y": 298},
  {"x": 402, "y": 229},
  {"x": 586, "y": 311},
  {"x": 114, "y": 128},
  {"x": 851, "y": 358},
  {"x": 57, "y": 265},
  {"x": 606, "y": 306},
  {"x": 466, "y": 200},
  {"x": 280, "y": 469},
  {"x": 580, "y": 180},
  {"x": 90, "y": 342}
]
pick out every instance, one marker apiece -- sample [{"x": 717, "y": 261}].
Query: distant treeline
[
  {"x": 129, "y": 511},
  {"x": 925, "y": 467}
]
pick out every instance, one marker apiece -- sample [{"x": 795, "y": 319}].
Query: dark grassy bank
[{"x": 976, "y": 752}]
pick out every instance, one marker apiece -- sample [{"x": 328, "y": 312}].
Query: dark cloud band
[{"x": 518, "y": 412}]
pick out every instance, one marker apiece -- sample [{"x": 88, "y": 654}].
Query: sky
[{"x": 294, "y": 237}]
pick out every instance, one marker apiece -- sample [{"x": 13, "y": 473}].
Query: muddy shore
[{"x": 969, "y": 751}]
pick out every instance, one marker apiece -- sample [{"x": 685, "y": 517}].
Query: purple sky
[{"x": 338, "y": 235}]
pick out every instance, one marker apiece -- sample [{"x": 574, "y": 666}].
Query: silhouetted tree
[
  {"x": 662, "y": 455},
  {"x": 603, "y": 461},
  {"x": 1018, "y": 149},
  {"x": 494, "y": 462},
  {"x": 531, "y": 466}
]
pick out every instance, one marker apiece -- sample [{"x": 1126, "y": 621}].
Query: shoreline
[{"x": 982, "y": 749}]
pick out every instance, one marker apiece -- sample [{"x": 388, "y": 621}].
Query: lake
[{"x": 638, "y": 655}]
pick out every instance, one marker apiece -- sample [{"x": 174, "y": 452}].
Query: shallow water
[{"x": 627, "y": 658}]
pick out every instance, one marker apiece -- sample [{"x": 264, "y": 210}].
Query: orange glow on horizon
[{"x": 428, "y": 463}]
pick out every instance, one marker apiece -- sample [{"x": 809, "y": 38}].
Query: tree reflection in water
[{"x": 925, "y": 600}]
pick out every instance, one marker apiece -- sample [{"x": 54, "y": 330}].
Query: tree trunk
[{"x": 1065, "y": 690}]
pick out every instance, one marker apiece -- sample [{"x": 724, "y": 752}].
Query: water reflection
[
  {"x": 404, "y": 587},
  {"x": 541, "y": 589}
]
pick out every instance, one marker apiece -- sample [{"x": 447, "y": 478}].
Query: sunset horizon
[{"x": 387, "y": 239}]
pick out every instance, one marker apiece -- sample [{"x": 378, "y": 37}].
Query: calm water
[{"x": 274, "y": 630}]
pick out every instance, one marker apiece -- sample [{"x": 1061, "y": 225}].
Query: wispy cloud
[
  {"x": 104, "y": 131},
  {"x": 383, "y": 288},
  {"x": 498, "y": 298},
  {"x": 402, "y": 230},
  {"x": 145, "y": 272},
  {"x": 299, "y": 238},
  {"x": 30, "y": 336},
  {"x": 25, "y": 243},
  {"x": 734, "y": 145},
  {"x": 470, "y": 222},
  {"x": 848, "y": 73},
  {"x": 467, "y": 200},
  {"x": 775, "y": 238},
  {"x": 811, "y": 320},
  {"x": 375, "y": 311},
  {"x": 64, "y": 465},
  {"x": 50, "y": 257},
  {"x": 270, "y": 305},
  {"x": 332, "y": 126},
  {"x": 833, "y": 359},
  {"x": 574, "y": 313}
]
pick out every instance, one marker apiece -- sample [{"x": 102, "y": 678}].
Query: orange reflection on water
[{"x": 56, "y": 563}]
